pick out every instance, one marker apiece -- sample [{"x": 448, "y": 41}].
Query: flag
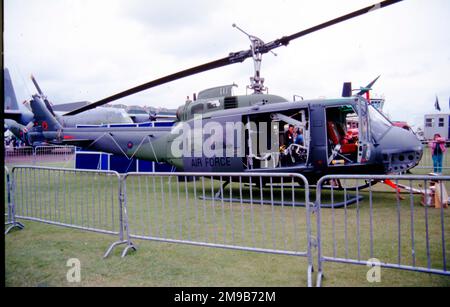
[{"x": 436, "y": 104}]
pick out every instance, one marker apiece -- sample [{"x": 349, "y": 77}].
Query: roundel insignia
[
  {"x": 44, "y": 125},
  {"x": 130, "y": 145}
]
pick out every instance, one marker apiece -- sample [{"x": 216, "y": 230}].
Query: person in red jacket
[{"x": 437, "y": 146}]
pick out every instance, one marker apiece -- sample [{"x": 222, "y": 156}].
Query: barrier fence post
[
  {"x": 312, "y": 243},
  {"x": 12, "y": 223},
  {"x": 318, "y": 235},
  {"x": 8, "y": 195},
  {"x": 34, "y": 155},
  {"x": 123, "y": 222},
  {"x": 124, "y": 217}
]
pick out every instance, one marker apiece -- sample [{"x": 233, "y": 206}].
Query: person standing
[
  {"x": 438, "y": 149},
  {"x": 289, "y": 136},
  {"x": 299, "y": 140}
]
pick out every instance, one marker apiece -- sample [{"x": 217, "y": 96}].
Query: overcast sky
[{"x": 90, "y": 49}]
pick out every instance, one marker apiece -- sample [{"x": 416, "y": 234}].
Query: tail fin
[
  {"x": 42, "y": 115},
  {"x": 13, "y": 109},
  {"x": 347, "y": 89},
  {"x": 10, "y": 95}
]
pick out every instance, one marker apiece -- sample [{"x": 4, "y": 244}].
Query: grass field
[{"x": 37, "y": 255}]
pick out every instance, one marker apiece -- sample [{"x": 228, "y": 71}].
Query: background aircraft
[
  {"x": 12, "y": 109},
  {"x": 19, "y": 119}
]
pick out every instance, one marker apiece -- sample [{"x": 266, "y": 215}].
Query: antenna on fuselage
[{"x": 256, "y": 82}]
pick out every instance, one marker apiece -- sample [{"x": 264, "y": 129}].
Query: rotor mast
[{"x": 256, "y": 82}]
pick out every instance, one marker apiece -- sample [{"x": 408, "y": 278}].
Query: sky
[{"x": 90, "y": 49}]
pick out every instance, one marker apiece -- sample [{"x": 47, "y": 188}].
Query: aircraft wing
[{"x": 13, "y": 114}]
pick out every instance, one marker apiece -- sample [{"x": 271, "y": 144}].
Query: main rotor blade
[
  {"x": 286, "y": 39},
  {"x": 236, "y": 57},
  {"x": 185, "y": 73},
  {"x": 37, "y": 86}
]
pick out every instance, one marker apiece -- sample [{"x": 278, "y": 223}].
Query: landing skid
[
  {"x": 350, "y": 199},
  {"x": 339, "y": 187},
  {"x": 336, "y": 187},
  {"x": 255, "y": 202}
]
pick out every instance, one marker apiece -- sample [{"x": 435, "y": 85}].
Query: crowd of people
[{"x": 13, "y": 142}]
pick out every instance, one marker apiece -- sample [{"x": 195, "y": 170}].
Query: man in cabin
[
  {"x": 289, "y": 136},
  {"x": 299, "y": 140}
]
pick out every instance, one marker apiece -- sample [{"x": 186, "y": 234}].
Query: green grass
[{"x": 37, "y": 255}]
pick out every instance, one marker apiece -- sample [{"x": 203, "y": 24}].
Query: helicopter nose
[{"x": 401, "y": 150}]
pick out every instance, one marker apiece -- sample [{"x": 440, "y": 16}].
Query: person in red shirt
[
  {"x": 289, "y": 136},
  {"x": 437, "y": 146}
]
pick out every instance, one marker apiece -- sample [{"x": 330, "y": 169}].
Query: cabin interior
[
  {"x": 341, "y": 137},
  {"x": 268, "y": 146}
]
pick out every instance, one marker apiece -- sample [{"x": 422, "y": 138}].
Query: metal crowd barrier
[
  {"x": 267, "y": 213},
  {"x": 82, "y": 199},
  {"x": 358, "y": 225},
  {"x": 18, "y": 154},
  {"x": 52, "y": 156},
  {"x": 7, "y": 189},
  {"x": 259, "y": 212},
  {"x": 54, "y": 153}
]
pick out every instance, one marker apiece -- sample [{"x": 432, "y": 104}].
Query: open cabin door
[
  {"x": 348, "y": 133},
  {"x": 261, "y": 142},
  {"x": 364, "y": 140}
]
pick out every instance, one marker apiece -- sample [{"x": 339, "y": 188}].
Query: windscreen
[{"x": 379, "y": 124}]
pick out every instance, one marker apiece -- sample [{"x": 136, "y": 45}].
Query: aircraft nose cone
[{"x": 401, "y": 150}]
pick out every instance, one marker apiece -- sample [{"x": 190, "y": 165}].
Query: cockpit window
[
  {"x": 379, "y": 123},
  {"x": 197, "y": 109}
]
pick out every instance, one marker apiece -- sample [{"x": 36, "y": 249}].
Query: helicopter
[{"x": 218, "y": 131}]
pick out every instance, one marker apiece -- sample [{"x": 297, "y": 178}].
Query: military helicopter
[{"x": 220, "y": 132}]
